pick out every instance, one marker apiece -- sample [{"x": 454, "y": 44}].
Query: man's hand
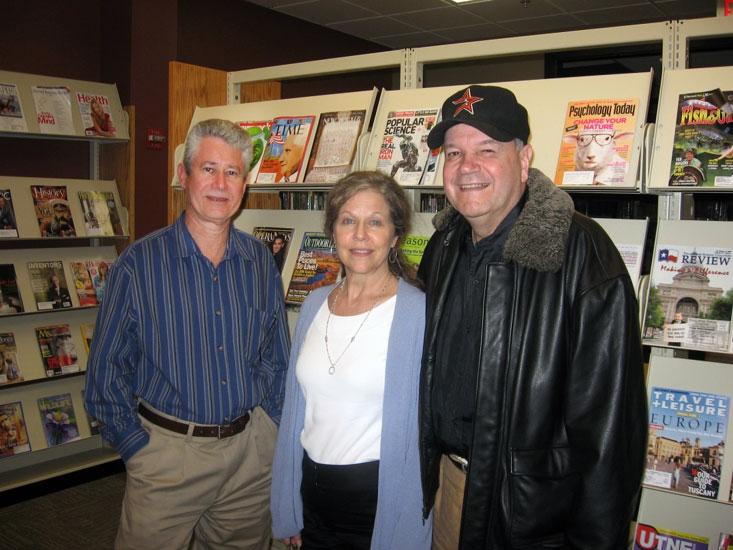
[{"x": 293, "y": 542}]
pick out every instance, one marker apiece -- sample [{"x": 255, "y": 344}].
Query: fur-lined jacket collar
[{"x": 538, "y": 238}]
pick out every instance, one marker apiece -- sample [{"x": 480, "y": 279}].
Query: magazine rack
[{"x": 111, "y": 169}]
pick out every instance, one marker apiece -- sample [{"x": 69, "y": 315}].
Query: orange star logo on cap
[{"x": 465, "y": 102}]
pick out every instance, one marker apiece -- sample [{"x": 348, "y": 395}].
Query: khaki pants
[
  {"x": 199, "y": 492},
  {"x": 448, "y": 506}
]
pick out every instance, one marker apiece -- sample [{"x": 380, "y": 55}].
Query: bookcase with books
[{"x": 58, "y": 237}]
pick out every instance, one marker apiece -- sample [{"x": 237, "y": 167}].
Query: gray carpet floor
[{"x": 83, "y": 517}]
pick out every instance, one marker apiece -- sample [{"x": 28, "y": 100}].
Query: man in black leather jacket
[{"x": 532, "y": 377}]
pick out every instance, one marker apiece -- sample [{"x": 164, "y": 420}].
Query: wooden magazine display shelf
[
  {"x": 60, "y": 108},
  {"x": 48, "y": 346}
]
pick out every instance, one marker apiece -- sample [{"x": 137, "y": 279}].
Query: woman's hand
[{"x": 293, "y": 542}]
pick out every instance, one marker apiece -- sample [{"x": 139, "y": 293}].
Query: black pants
[{"x": 339, "y": 505}]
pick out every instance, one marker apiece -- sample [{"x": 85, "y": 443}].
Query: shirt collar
[{"x": 186, "y": 246}]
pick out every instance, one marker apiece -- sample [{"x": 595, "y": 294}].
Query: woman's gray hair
[{"x": 229, "y": 132}]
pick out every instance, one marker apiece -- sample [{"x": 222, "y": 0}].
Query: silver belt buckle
[{"x": 459, "y": 461}]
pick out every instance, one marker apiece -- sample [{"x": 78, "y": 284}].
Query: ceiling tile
[
  {"x": 680, "y": 9},
  {"x": 485, "y": 31},
  {"x": 440, "y": 18},
  {"x": 374, "y": 26},
  {"x": 584, "y": 5},
  {"x": 540, "y": 25},
  {"x": 325, "y": 12},
  {"x": 412, "y": 40},
  {"x": 616, "y": 16},
  {"x": 387, "y": 7},
  {"x": 501, "y": 10}
]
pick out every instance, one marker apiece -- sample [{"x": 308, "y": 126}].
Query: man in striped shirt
[{"x": 186, "y": 369}]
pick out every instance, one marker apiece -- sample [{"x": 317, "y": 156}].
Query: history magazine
[
  {"x": 404, "y": 151},
  {"x": 8, "y": 223},
  {"x": 690, "y": 297},
  {"x": 277, "y": 240},
  {"x": 59, "y": 419},
  {"x": 57, "y": 350},
  {"x": 334, "y": 146},
  {"x": 101, "y": 216},
  {"x": 13, "y": 432},
  {"x": 686, "y": 444},
  {"x": 317, "y": 265},
  {"x": 49, "y": 286},
  {"x": 9, "y": 365},
  {"x": 597, "y": 142},
  {"x": 703, "y": 140},
  {"x": 649, "y": 537},
  {"x": 52, "y": 211},
  {"x": 285, "y": 150},
  {"x": 259, "y": 132},
  {"x": 10, "y": 300},
  {"x": 83, "y": 284}
]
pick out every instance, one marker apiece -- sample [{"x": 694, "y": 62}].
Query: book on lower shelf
[
  {"x": 13, "y": 432},
  {"x": 49, "y": 285},
  {"x": 52, "y": 211},
  {"x": 9, "y": 365},
  {"x": 10, "y": 300},
  {"x": 8, "y": 223},
  {"x": 317, "y": 265},
  {"x": 87, "y": 333},
  {"x": 58, "y": 351},
  {"x": 413, "y": 248},
  {"x": 59, "y": 419}
]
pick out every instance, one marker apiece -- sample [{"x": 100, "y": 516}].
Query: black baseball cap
[{"x": 493, "y": 110}]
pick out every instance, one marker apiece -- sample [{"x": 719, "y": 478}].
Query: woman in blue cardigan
[{"x": 346, "y": 471}]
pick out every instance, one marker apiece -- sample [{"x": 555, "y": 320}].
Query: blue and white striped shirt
[{"x": 200, "y": 343}]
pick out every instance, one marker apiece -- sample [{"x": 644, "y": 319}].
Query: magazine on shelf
[
  {"x": 413, "y": 248},
  {"x": 277, "y": 240},
  {"x": 10, "y": 300},
  {"x": 94, "y": 424},
  {"x": 597, "y": 142},
  {"x": 98, "y": 270},
  {"x": 57, "y": 350},
  {"x": 404, "y": 151},
  {"x": 96, "y": 115},
  {"x": 53, "y": 109},
  {"x": 431, "y": 168},
  {"x": 101, "y": 216},
  {"x": 9, "y": 366},
  {"x": 58, "y": 419},
  {"x": 334, "y": 146},
  {"x": 690, "y": 291},
  {"x": 283, "y": 158},
  {"x": 686, "y": 441},
  {"x": 703, "y": 140},
  {"x": 649, "y": 537},
  {"x": 83, "y": 284},
  {"x": 8, "y": 223},
  {"x": 317, "y": 265},
  {"x": 49, "y": 286},
  {"x": 12, "y": 118},
  {"x": 13, "y": 432},
  {"x": 725, "y": 542},
  {"x": 52, "y": 211},
  {"x": 259, "y": 133},
  {"x": 87, "y": 333}
]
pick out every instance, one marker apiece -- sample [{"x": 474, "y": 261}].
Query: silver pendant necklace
[{"x": 332, "y": 368}]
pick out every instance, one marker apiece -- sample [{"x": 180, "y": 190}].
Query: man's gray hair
[{"x": 229, "y": 132}]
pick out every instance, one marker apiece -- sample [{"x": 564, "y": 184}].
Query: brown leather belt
[
  {"x": 459, "y": 462},
  {"x": 219, "y": 432}
]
